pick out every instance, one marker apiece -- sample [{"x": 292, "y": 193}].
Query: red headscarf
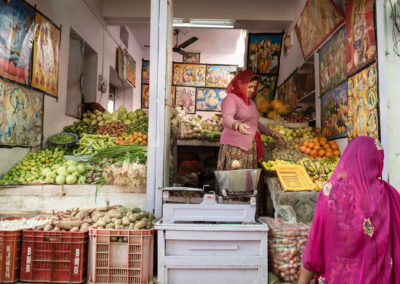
[{"x": 239, "y": 84}]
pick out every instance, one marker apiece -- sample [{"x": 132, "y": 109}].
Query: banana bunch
[
  {"x": 313, "y": 167},
  {"x": 270, "y": 165},
  {"x": 330, "y": 163},
  {"x": 319, "y": 170},
  {"x": 319, "y": 183}
]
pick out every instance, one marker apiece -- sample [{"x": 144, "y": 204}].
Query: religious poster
[
  {"x": 145, "y": 71},
  {"x": 17, "y": 26},
  {"x": 332, "y": 62},
  {"x": 191, "y": 57},
  {"x": 334, "y": 112},
  {"x": 263, "y": 53},
  {"x": 191, "y": 75},
  {"x": 362, "y": 92},
  {"x": 120, "y": 64},
  {"x": 360, "y": 35},
  {"x": 130, "y": 70},
  {"x": 21, "y": 115},
  {"x": 267, "y": 86},
  {"x": 287, "y": 91},
  {"x": 219, "y": 76},
  {"x": 318, "y": 20},
  {"x": 144, "y": 99},
  {"x": 186, "y": 98},
  {"x": 209, "y": 99}
]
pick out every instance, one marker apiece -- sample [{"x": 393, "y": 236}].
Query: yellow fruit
[{"x": 276, "y": 104}]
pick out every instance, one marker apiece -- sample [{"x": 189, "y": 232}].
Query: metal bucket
[{"x": 238, "y": 181}]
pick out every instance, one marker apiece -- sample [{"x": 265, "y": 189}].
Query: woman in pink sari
[{"x": 355, "y": 235}]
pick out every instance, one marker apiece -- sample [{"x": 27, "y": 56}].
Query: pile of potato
[
  {"x": 286, "y": 243},
  {"x": 81, "y": 220}
]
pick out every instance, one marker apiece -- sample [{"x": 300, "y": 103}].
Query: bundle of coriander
[{"x": 123, "y": 153}]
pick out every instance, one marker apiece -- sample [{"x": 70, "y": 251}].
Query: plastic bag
[{"x": 286, "y": 213}]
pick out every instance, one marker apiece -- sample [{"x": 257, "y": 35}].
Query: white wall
[{"x": 85, "y": 20}]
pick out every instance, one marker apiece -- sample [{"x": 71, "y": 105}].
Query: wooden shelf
[
  {"x": 307, "y": 98},
  {"x": 194, "y": 142}
]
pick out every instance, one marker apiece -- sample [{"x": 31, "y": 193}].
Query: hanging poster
[
  {"x": 189, "y": 75},
  {"x": 332, "y": 62},
  {"x": 209, "y": 99},
  {"x": 191, "y": 57},
  {"x": 263, "y": 53},
  {"x": 267, "y": 86},
  {"x": 17, "y": 25},
  {"x": 287, "y": 92},
  {"x": 334, "y": 112},
  {"x": 219, "y": 76},
  {"x": 130, "y": 70},
  {"x": 360, "y": 35},
  {"x": 145, "y": 71},
  {"x": 317, "y": 21},
  {"x": 21, "y": 115},
  {"x": 46, "y": 49},
  {"x": 186, "y": 97},
  {"x": 120, "y": 64},
  {"x": 144, "y": 99},
  {"x": 362, "y": 95}
]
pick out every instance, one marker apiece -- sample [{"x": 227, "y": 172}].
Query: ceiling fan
[{"x": 178, "y": 48}]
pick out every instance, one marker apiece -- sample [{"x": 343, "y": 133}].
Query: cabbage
[
  {"x": 71, "y": 169},
  {"x": 82, "y": 180},
  {"x": 122, "y": 116},
  {"x": 70, "y": 163},
  {"x": 71, "y": 179},
  {"x": 139, "y": 112},
  {"x": 132, "y": 116},
  {"x": 127, "y": 121},
  {"x": 50, "y": 175},
  {"x": 106, "y": 115},
  {"x": 60, "y": 179},
  {"x": 45, "y": 171},
  {"x": 122, "y": 109},
  {"x": 114, "y": 116}
]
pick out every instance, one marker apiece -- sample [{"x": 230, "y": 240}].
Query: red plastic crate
[
  {"x": 121, "y": 256},
  {"x": 10, "y": 254},
  {"x": 56, "y": 257}
]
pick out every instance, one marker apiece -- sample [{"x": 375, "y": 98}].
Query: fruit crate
[
  {"x": 120, "y": 256},
  {"x": 10, "y": 254},
  {"x": 54, "y": 257}
]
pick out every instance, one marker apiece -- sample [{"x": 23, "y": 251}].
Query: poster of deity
[
  {"x": 287, "y": 91},
  {"x": 318, "y": 20},
  {"x": 17, "y": 26},
  {"x": 360, "y": 34},
  {"x": 263, "y": 53},
  {"x": 332, "y": 62},
  {"x": 209, "y": 99},
  {"x": 186, "y": 97},
  {"x": 130, "y": 71},
  {"x": 21, "y": 115},
  {"x": 192, "y": 75},
  {"x": 145, "y": 71},
  {"x": 219, "y": 76},
  {"x": 334, "y": 112},
  {"x": 267, "y": 86},
  {"x": 144, "y": 100},
  {"x": 46, "y": 49},
  {"x": 363, "y": 99}
]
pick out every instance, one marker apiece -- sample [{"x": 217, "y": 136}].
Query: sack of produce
[
  {"x": 286, "y": 243},
  {"x": 190, "y": 129}
]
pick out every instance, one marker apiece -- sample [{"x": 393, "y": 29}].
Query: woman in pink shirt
[{"x": 240, "y": 143}]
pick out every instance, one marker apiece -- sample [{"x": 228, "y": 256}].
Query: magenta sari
[{"x": 355, "y": 235}]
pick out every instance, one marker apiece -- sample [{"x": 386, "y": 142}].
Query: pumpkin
[
  {"x": 276, "y": 104},
  {"x": 284, "y": 109}
]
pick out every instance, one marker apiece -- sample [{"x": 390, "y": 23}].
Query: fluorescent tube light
[{"x": 200, "y": 23}]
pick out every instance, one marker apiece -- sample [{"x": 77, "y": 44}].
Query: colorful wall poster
[
  {"x": 120, "y": 64},
  {"x": 191, "y": 57},
  {"x": 267, "y": 86},
  {"x": 263, "y": 53},
  {"x": 317, "y": 21},
  {"x": 21, "y": 115},
  {"x": 219, "y": 76},
  {"x": 189, "y": 74},
  {"x": 17, "y": 26},
  {"x": 145, "y": 71},
  {"x": 209, "y": 99},
  {"x": 130, "y": 71},
  {"x": 186, "y": 97},
  {"x": 144, "y": 99},
  {"x": 332, "y": 62},
  {"x": 46, "y": 49},
  {"x": 360, "y": 35},
  {"x": 287, "y": 91},
  {"x": 334, "y": 112},
  {"x": 363, "y": 98}
]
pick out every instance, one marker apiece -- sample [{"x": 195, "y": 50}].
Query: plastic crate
[
  {"x": 121, "y": 256},
  {"x": 10, "y": 254},
  {"x": 294, "y": 178},
  {"x": 54, "y": 257}
]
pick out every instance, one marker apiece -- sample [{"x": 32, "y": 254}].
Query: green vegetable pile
[
  {"x": 81, "y": 127},
  {"x": 89, "y": 144},
  {"x": 123, "y": 153},
  {"x": 139, "y": 125},
  {"x": 62, "y": 138}
]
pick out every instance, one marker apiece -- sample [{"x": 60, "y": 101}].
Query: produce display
[
  {"x": 62, "y": 138},
  {"x": 114, "y": 129},
  {"x": 270, "y": 165},
  {"x": 141, "y": 124},
  {"x": 136, "y": 138},
  {"x": 127, "y": 174},
  {"x": 89, "y": 144},
  {"x": 69, "y": 172},
  {"x": 123, "y": 153},
  {"x": 81, "y": 127},
  {"x": 94, "y": 173},
  {"x": 320, "y": 170},
  {"x": 320, "y": 147},
  {"x": 286, "y": 151},
  {"x": 212, "y": 124},
  {"x": 22, "y": 223}
]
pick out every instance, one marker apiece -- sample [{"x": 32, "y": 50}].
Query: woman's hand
[
  {"x": 279, "y": 137},
  {"x": 241, "y": 127},
  {"x": 305, "y": 276}
]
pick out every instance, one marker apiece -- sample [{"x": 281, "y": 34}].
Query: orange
[
  {"x": 325, "y": 146},
  {"x": 321, "y": 153},
  {"x": 317, "y": 147},
  {"x": 305, "y": 144},
  {"x": 307, "y": 151},
  {"x": 296, "y": 145},
  {"x": 303, "y": 149},
  {"x": 323, "y": 140},
  {"x": 311, "y": 145},
  {"x": 335, "y": 147},
  {"x": 332, "y": 142},
  {"x": 315, "y": 140},
  {"x": 336, "y": 153},
  {"x": 329, "y": 154},
  {"x": 313, "y": 152}
]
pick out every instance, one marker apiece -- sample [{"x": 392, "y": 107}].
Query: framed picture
[
  {"x": 17, "y": 26},
  {"x": 334, "y": 112},
  {"x": 219, "y": 76},
  {"x": 360, "y": 34},
  {"x": 145, "y": 71},
  {"x": 363, "y": 99},
  {"x": 144, "y": 99},
  {"x": 46, "y": 48},
  {"x": 263, "y": 53},
  {"x": 120, "y": 64},
  {"x": 186, "y": 97},
  {"x": 319, "y": 19},
  {"x": 208, "y": 99},
  {"x": 191, "y": 75},
  {"x": 267, "y": 86},
  {"x": 130, "y": 70},
  {"x": 332, "y": 62},
  {"x": 287, "y": 91},
  {"x": 21, "y": 115},
  {"x": 173, "y": 95},
  {"x": 191, "y": 58}
]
